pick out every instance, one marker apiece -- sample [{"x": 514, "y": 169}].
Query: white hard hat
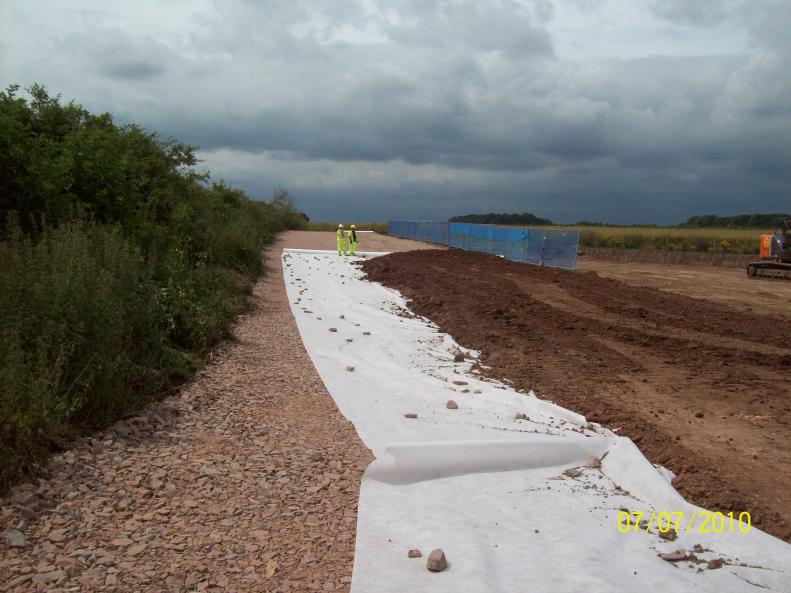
[
  {"x": 340, "y": 226},
  {"x": 353, "y": 226}
]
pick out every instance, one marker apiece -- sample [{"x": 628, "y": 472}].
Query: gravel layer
[{"x": 246, "y": 480}]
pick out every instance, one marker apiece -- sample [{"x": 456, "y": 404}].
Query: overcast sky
[{"x": 626, "y": 111}]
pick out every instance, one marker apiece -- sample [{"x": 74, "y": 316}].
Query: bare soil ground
[
  {"x": 727, "y": 286},
  {"x": 247, "y": 480},
  {"x": 702, "y": 387},
  {"x": 367, "y": 242}
]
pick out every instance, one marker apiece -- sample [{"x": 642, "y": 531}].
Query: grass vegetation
[
  {"x": 379, "y": 227},
  {"x": 120, "y": 267}
]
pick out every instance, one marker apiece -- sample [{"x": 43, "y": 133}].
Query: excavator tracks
[{"x": 763, "y": 270}]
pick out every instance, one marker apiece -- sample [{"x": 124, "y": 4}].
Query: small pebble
[
  {"x": 593, "y": 462},
  {"x": 714, "y": 563}
]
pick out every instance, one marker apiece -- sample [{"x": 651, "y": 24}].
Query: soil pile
[{"x": 702, "y": 388}]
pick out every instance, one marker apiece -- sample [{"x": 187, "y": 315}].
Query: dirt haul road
[
  {"x": 701, "y": 387},
  {"x": 728, "y": 286}
]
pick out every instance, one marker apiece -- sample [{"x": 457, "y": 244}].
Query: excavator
[{"x": 775, "y": 254}]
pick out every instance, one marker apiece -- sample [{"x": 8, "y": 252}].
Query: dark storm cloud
[
  {"x": 699, "y": 12},
  {"x": 432, "y": 108},
  {"x": 116, "y": 54},
  {"x": 131, "y": 70}
]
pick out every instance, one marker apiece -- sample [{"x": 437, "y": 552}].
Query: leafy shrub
[{"x": 120, "y": 267}]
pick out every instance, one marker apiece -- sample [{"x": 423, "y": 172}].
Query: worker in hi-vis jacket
[
  {"x": 353, "y": 240},
  {"x": 341, "y": 236}
]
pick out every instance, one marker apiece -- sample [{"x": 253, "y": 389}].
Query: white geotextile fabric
[{"x": 487, "y": 488}]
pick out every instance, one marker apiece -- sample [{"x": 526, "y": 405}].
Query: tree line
[
  {"x": 748, "y": 221},
  {"x": 756, "y": 221},
  {"x": 525, "y": 218}
]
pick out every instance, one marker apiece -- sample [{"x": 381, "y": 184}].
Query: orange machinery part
[{"x": 766, "y": 246}]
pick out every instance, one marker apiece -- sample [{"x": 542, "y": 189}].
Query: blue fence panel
[
  {"x": 533, "y": 246},
  {"x": 561, "y": 249}
]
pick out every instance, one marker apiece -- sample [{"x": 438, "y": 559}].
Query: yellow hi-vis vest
[{"x": 340, "y": 234}]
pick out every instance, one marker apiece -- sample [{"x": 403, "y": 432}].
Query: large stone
[
  {"x": 414, "y": 553},
  {"x": 676, "y": 556},
  {"x": 15, "y": 539},
  {"x": 572, "y": 473},
  {"x": 436, "y": 561},
  {"x": 272, "y": 568},
  {"x": 452, "y": 405},
  {"x": 593, "y": 462}
]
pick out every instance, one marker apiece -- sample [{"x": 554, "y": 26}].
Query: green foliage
[
  {"x": 120, "y": 267},
  {"x": 82, "y": 333},
  {"x": 377, "y": 227},
  {"x": 492, "y": 218}
]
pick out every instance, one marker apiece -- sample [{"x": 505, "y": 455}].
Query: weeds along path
[
  {"x": 247, "y": 480},
  {"x": 701, "y": 387}
]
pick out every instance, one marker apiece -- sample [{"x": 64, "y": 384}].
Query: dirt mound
[{"x": 702, "y": 388}]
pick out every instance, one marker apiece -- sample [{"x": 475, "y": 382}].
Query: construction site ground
[
  {"x": 248, "y": 478},
  {"x": 701, "y": 386},
  {"x": 724, "y": 285}
]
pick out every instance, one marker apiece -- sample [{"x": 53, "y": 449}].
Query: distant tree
[
  {"x": 284, "y": 203},
  {"x": 524, "y": 218},
  {"x": 281, "y": 198}
]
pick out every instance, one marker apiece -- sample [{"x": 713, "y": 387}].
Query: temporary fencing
[{"x": 557, "y": 249}]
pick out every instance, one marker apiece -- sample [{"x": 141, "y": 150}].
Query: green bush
[
  {"x": 120, "y": 267},
  {"x": 377, "y": 227},
  {"x": 82, "y": 333}
]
